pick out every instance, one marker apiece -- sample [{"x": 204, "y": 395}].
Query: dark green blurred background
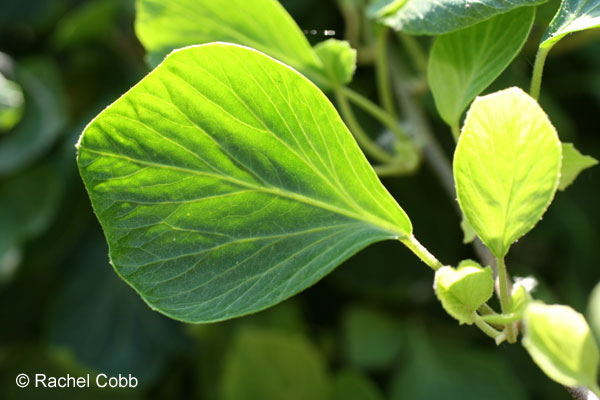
[{"x": 370, "y": 330}]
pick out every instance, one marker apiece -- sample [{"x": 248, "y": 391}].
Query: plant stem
[
  {"x": 505, "y": 298},
  {"x": 485, "y": 309},
  {"x": 351, "y": 22},
  {"x": 485, "y": 327},
  {"x": 538, "y": 70},
  {"x": 433, "y": 152},
  {"x": 361, "y": 137},
  {"x": 421, "y": 252},
  {"x": 375, "y": 111},
  {"x": 382, "y": 73}
]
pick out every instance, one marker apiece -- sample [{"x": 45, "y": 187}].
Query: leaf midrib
[{"x": 264, "y": 189}]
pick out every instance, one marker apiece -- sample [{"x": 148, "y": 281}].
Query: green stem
[
  {"x": 420, "y": 251},
  {"x": 432, "y": 150},
  {"x": 361, "y": 137},
  {"x": 382, "y": 74},
  {"x": 375, "y": 111},
  {"x": 505, "y": 298},
  {"x": 538, "y": 70},
  {"x": 351, "y": 22},
  {"x": 486, "y": 328},
  {"x": 485, "y": 309}
]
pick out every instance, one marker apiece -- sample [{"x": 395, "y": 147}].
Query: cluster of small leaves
[{"x": 225, "y": 181}]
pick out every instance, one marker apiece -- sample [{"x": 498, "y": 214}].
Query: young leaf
[
  {"x": 506, "y": 167},
  {"x": 464, "y": 289},
  {"x": 519, "y": 300},
  {"x": 436, "y": 17},
  {"x": 163, "y": 26},
  {"x": 338, "y": 59},
  {"x": 560, "y": 342},
  {"x": 462, "y": 64},
  {"x": 573, "y": 163},
  {"x": 573, "y": 16},
  {"x": 226, "y": 182}
]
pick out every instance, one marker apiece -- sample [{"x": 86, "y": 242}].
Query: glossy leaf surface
[
  {"x": 226, "y": 182},
  {"x": 506, "y": 167},
  {"x": 572, "y": 16},
  {"x": 462, "y": 64},
  {"x": 436, "y": 17}
]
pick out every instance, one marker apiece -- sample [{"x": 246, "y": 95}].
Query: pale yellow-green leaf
[
  {"x": 573, "y": 163},
  {"x": 464, "y": 289},
  {"x": 560, "y": 342},
  {"x": 506, "y": 167},
  {"x": 338, "y": 59}
]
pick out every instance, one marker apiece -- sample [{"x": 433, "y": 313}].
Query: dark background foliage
[{"x": 370, "y": 330}]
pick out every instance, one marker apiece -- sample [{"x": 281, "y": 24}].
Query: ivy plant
[{"x": 226, "y": 181}]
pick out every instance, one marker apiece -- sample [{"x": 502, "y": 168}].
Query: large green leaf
[
  {"x": 560, "y": 342},
  {"x": 163, "y": 26},
  {"x": 572, "y": 16},
  {"x": 506, "y": 166},
  {"x": 226, "y": 182},
  {"x": 435, "y": 17},
  {"x": 462, "y": 64}
]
